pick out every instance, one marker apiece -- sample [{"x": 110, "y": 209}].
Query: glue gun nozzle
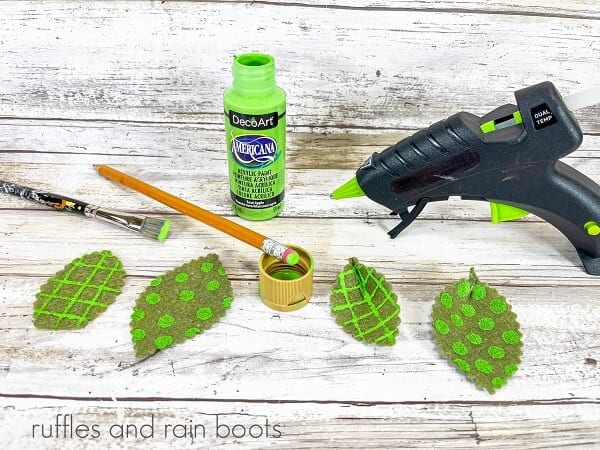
[{"x": 349, "y": 189}]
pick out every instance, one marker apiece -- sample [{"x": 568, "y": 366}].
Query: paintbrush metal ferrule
[
  {"x": 124, "y": 220},
  {"x": 150, "y": 227}
]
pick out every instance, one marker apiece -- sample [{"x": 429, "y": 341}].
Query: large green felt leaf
[
  {"x": 180, "y": 304},
  {"x": 475, "y": 328},
  {"x": 78, "y": 293},
  {"x": 363, "y": 303}
]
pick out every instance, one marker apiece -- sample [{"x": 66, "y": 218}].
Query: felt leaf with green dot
[
  {"x": 364, "y": 304},
  {"x": 475, "y": 328},
  {"x": 79, "y": 293},
  {"x": 180, "y": 304}
]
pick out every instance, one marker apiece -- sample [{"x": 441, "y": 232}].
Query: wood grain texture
[
  {"x": 309, "y": 426},
  {"x": 583, "y": 9},
  {"x": 138, "y": 85},
  {"x": 345, "y": 68},
  {"x": 176, "y": 157}
]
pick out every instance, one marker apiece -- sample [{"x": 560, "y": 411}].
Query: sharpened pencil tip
[{"x": 96, "y": 166}]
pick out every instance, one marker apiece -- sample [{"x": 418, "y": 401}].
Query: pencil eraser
[{"x": 292, "y": 258}]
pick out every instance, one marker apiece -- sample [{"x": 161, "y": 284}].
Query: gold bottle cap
[{"x": 284, "y": 287}]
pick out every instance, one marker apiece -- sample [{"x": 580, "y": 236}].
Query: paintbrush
[
  {"x": 267, "y": 245},
  {"x": 147, "y": 226}
]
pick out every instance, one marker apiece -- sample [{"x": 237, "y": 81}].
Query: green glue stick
[{"x": 255, "y": 129}]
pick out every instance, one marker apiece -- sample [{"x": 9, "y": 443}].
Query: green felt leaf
[
  {"x": 180, "y": 304},
  {"x": 475, "y": 328},
  {"x": 363, "y": 303},
  {"x": 80, "y": 292}
]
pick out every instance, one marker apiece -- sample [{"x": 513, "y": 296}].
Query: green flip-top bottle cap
[{"x": 253, "y": 72}]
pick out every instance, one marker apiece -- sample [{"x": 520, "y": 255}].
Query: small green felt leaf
[
  {"x": 475, "y": 328},
  {"x": 180, "y": 304},
  {"x": 363, "y": 303},
  {"x": 78, "y": 293}
]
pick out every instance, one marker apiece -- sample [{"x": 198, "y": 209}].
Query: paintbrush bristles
[
  {"x": 146, "y": 226},
  {"x": 155, "y": 228}
]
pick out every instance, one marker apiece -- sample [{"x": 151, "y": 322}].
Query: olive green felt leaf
[
  {"x": 363, "y": 303},
  {"x": 78, "y": 293},
  {"x": 475, "y": 328},
  {"x": 180, "y": 304}
]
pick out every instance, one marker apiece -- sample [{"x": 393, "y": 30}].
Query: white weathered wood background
[{"x": 138, "y": 85}]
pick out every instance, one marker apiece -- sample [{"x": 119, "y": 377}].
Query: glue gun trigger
[{"x": 406, "y": 217}]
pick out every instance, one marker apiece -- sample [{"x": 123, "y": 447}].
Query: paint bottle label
[
  {"x": 256, "y": 149},
  {"x": 255, "y": 133}
]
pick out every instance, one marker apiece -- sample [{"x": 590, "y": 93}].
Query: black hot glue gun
[{"x": 508, "y": 157}]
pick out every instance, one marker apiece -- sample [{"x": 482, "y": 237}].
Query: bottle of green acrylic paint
[{"x": 255, "y": 128}]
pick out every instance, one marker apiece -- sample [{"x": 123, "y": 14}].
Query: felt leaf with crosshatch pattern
[
  {"x": 180, "y": 304},
  {"x": 363, "y": 303},
  {"x": 78, "y": 293},
  {"x": 474, "y": 327}
]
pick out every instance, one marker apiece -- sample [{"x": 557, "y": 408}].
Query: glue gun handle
[{"x": 569, "y": 201}]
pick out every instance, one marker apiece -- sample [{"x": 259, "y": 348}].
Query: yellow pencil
[{"x": 267, "y": 245}]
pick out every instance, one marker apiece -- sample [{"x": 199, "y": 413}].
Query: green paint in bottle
[{"x": 255, "y": 129}]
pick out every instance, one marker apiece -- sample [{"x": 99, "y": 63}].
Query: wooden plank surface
[
  {"x": 584, "y": 9},
  {"x": 173, "y": 64},
  {"x": 323, "y": 425},
  {"x": 138, "y": 85},
  {"x": 175, "y": 159}
]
